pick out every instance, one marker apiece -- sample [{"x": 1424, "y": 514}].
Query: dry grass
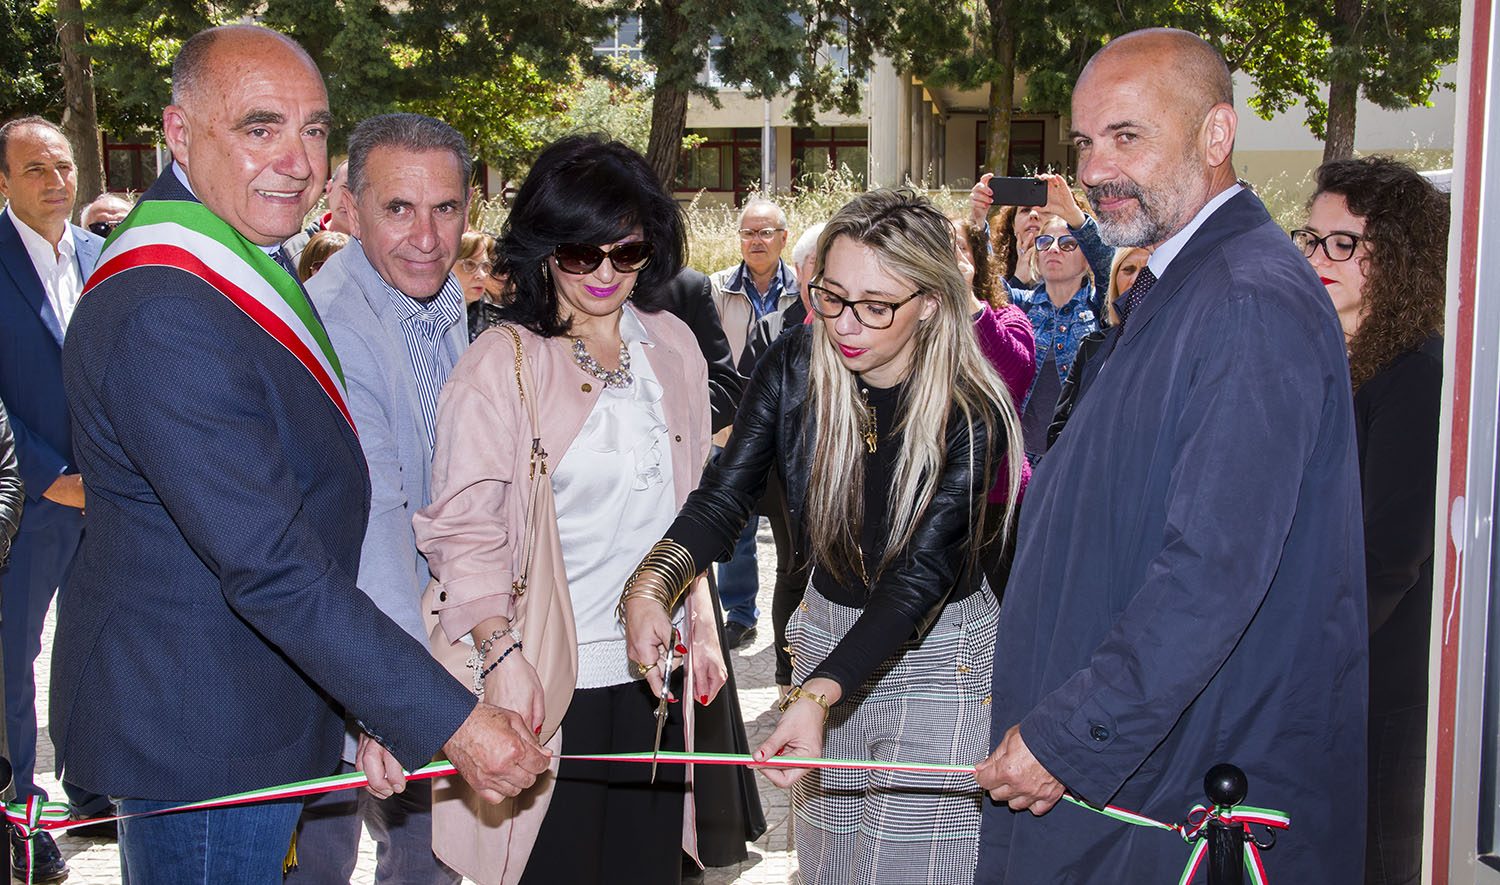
[{"x": 712, "y": 241}]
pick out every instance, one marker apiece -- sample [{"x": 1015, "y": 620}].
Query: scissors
[{"x": 661, "y": 705}]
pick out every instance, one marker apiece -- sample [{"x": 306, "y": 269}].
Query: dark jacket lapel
[
  {"x": 17, "y": 263},
  {"x": 1241, "y": 213}
]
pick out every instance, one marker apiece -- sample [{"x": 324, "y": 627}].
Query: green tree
[
  {"x": 30, "y": 67},
  {"x": 765, "y": 47},
  {"x": 441, "y": 56}
]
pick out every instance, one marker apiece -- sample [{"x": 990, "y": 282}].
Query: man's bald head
[
  {"x": 1154, "y": 126},
  {"x": 199, "y": 58},
  {"x": 1180, "y": 62},
  {"x": 249, "y": 127}
]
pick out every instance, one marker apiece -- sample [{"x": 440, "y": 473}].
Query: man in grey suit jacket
[
  {"x": 395, "y": 316},
  {"x": 44, "y": 262}
]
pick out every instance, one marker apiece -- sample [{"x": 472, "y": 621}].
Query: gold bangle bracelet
[{"x": 798, "y": 693}]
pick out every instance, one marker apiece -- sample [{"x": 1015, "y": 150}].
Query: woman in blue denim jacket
[{"x": 1065, "y": 307}]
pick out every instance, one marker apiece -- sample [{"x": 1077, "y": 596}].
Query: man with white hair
[
  {"x": 101, "y": 216},
  {"x": 760, "y": 284}
]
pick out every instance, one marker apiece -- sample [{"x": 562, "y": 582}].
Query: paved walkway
[{"x": 97, "y": 862}]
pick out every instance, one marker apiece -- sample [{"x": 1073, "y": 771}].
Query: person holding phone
[{"x": 1065, "y": 306}]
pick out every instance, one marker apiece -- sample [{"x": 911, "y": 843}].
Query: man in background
[{"x": 44, "y": 261}]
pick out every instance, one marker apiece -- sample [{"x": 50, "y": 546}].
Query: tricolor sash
[{"x": 185, "y": 235}]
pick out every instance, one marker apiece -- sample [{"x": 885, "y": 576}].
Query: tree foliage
[
  {"x": 487, "y": 66},
  {"x": 30, "y": 72}
]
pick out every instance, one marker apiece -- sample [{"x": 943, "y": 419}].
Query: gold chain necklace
[{"x": 867, "y": 423}]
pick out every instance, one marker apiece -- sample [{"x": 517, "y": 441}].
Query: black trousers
[
  {"x": 1398, "y": 769},
  {"x": 607, "y": 821}
]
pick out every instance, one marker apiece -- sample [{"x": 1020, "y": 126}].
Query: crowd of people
[{"x": 1078, "y": 499}]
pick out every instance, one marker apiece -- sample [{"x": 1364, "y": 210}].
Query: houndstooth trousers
[{"x": 928, "y": 702}]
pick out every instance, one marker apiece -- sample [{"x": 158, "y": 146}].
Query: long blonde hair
[{"x": 948, "y": 372}]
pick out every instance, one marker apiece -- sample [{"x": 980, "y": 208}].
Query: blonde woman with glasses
[{"x": 885, "y": 423}]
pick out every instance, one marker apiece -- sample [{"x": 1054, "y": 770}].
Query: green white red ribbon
[
  {"x": 33, "y": 815},
  {"x": 185, "y": 235}
]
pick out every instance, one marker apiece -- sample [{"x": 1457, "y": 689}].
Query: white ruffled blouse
[{"x": 614, "y": 496}]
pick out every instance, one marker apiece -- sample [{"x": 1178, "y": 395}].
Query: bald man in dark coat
[{"x": 1188, "y": 586}]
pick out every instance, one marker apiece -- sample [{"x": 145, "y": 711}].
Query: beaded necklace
[{"x": 620, "y": 377}]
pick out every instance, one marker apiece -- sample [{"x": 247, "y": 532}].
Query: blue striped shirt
[{"x": 423, "y": 327}]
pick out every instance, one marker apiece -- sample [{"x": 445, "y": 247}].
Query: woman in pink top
[
  {"x": 543, "y": 503},
  {"x": 1005, "y": 337}
]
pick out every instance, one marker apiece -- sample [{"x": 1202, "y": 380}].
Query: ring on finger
[{"x": 643, "y": 669}]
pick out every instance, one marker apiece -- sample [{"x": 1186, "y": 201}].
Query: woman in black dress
[{"x": 1377, "y": 235}]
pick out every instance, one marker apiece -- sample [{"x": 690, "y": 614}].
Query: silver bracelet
[{"x": 482, "y": 650}]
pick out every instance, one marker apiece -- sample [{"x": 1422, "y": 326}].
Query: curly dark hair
[
  {"x": 1406, "y": 229},
  {"x": 988, "y": 287},
  {"x": 586, "y": 189}
]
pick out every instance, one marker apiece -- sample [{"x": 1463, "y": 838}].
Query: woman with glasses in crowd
[
  {"x": 552, "y": 497},
  {"x": 474, "y": 271},
  {"x": 885, "y": 425},
  {"x": 1064, "y": 306},
  {"x": 1377, "y": 236}
]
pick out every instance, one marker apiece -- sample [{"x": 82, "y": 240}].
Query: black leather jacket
[
  {"x": 774, "y": 431},
  {"x": 12, "y": 496}
]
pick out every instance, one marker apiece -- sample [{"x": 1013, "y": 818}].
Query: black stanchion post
[{"x": 1226, "y": 786}]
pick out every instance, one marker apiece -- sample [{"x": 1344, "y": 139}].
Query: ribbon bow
[{"x": 1233, "y": 815}]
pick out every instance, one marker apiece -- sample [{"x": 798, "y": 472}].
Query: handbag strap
[{"x": 538, "y": 464}]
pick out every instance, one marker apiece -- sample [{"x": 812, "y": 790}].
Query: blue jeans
[
  {"x": 243, "y": 845},
  {"x": 739, "y": 580}
]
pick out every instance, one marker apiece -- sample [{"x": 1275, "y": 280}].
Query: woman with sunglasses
[
  {"x": 885, "y": 424},
  {"x": 1377, "y": 236},
  {"x": 615, "y": 415},
  {"x": 1065, "y": 306}
]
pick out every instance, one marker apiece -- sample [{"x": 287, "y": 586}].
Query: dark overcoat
[{"x": 1189, "y": 582}]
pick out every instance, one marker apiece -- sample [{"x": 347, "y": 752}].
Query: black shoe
[
  {"x": 737, "y": 634},
  {"x": 106, "y": 829},
  {"x": 47, "y": 864}
]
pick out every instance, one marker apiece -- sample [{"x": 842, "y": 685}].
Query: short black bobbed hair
[{"x": 586, "y": 189}]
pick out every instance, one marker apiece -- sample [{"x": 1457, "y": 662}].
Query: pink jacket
[
  {"x": 1009, "y": 344},
  {"x": 473, "y": 531}
]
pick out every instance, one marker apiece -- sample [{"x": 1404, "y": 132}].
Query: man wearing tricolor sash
[{"x": 216, "y": 637}]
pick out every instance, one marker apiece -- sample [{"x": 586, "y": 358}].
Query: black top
[
  {"x": 773, "y": 432},
  {"x": 883, "y": 631},
  {"x": 880, "y": 474},
  {"x": 689, "y": 297},
  {"x": 1396, "y": 423}
]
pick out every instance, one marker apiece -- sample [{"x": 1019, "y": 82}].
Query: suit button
[
  {"x": 1099, "y": 733},
  {"x": 442, "y": 596},
  {"x": 677, "y": 437},
  {"x": 587, "y": 387}
]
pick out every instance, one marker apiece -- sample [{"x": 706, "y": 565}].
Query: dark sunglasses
[
  {"x": 1064, "y": 243},
  {"x": 582, "y": 258},
  {"x": 103, "y": 228}
]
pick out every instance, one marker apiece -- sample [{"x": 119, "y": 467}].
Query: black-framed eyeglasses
[
  {"x": 103, "y": 228},
  {"x": 470, "y": 266},
  {"x": 582, "y": 258},
  {"x": 765, "y": 233},
  {"x": 1065, "y": 243},
  {"x": 870, "y": 314},
  {"x": 1338, "y": 246}
]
